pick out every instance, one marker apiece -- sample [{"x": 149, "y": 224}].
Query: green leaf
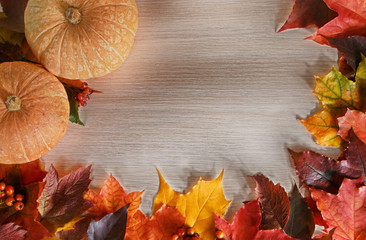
[{"x": 74, "y": 108}]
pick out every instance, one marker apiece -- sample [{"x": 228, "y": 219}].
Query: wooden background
[{"x": 209, "y": 84}]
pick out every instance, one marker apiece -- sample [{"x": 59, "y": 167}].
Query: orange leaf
[
  {"x": 111, "y": 198},
  {"x": 345, "y": 211},
  {"x": 138, "y": 227},
  {"x": 355, "y": 120},
  {"x": 165, "y": 222},
  {"x": 198, "y": 206}
]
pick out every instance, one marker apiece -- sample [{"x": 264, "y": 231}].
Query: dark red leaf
[
  {"x": 308, "y": 12},
  {"x": 274, "y": 202},
  {"x": 111, "y": 226},
  {"x": 62, "y": 199},
  {"x": 14, "y": 10},
  {"x": 10, "y": 231},
  {"x": 78, "y": 233},
  {"x": 300, "y": 223},
  {"x": 318, "y": 219}
]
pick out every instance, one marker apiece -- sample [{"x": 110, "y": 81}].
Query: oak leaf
[
  {"x": 274, "y": 203},
  {"x": 245, "y": 225},
  {"x": 346, "y": 211},
  {"x": 111, "y": 226},
  {"x": 308, "y": 12},
  {"x": 62, "y": 199},
  {"x": 351, "y": 21},
  {"x": 198, "y": 206},
  {"x": 10, "y": 231},
  {"x": 300, "y": 224}
]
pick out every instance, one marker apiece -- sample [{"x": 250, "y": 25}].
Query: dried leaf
[
  {"x": 308, "y": 12},
  {"x": 10, "y": 52},
  {"x": 274, "y": 202},
  {"x": 10, "y": 231},
  {"x": 11, "y": 37},
  {"x": 62, "y": 199},
  {"x": 345, "y": 211},
  {"x": 198, "y": 206},
  {"x": 111, "y": 226},
  {"x": 14, "y": 10},
  {"x": 300, "y": 224}
]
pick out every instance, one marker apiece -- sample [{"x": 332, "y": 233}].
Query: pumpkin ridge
[
  {"x": 59, "y": 50},
  {"x": 20, "y": 140},
  {"x": 116, "y": 5},
  {"x": 83, "y": 57},
  {"x": 44, "y": 141},
  {"x": 101, "y": 37},
  {"x": 28, "y": 84},
  {"x": 46, "y": 30},
  {"x": 119, "y": 24}
]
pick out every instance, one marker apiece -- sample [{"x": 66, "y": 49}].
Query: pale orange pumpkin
[
  {"x": 34, "y": 112},
  {"x": 79, "y": 39}
]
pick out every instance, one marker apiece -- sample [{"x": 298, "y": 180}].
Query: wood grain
[{"x": 209, "y": 84}]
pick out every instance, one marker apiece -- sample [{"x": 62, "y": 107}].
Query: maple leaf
[
  {"x": 351, "y": 20},
  {"x": 355, "y": 120},
  {"x": 245, "y": 225},
  {"x": 198, "y": 206},
  {"x": 14, "y": 10},
  {"x": 138, "y": 227},
  {"x": 274, "y": 202},
  {"x": 346, "y": 211},
  {"x": 308, "y": 12},
  {"x": 111, "y": 226},
  {"x": 10, "y": 231},
  {"x": 301, "y": 222},
  {"x": 62, "y": 199}
]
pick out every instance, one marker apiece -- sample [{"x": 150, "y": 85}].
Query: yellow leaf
[
  {"x": 69, "y": 225},
  {"x": 14, "y": 38},
  {"x": 198, "y": 206}
]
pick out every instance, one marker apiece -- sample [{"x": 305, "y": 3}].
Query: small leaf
[
  {"x": 62, "y": 199},
  {"x": 74, "y": 108},
  {"x": 308, "y": 12},
  {"x": 346, "y": 211},
  {"x": 111, "y": 226},
  {"x": 300, "y": 223},
  {"x": 10, "y": 231},
  {"x": 274, "y": 202}
]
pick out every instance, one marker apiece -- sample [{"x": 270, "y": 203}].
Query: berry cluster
[
  {"x": 11, "y": 200},
  {"x": 184, "y": 233},
  {"x": 82, "y": 97}
]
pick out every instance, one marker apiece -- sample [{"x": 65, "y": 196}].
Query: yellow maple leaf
[{"x": 198, "y": 206}]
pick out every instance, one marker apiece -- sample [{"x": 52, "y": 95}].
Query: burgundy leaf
[
  {"x": 10, "y": 231},
  {"x": 300, "y": 224},
  {"x": 274, "y": 202},
  {"x": 111, "y": 226}
]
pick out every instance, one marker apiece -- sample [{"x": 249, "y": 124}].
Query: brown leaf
[
  {"x": 274, "y": 202},
  {"x": 14, "y": 10},
  {"x": 62, "y": 199}
]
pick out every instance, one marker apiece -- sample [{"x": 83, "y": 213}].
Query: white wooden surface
[{"x": 209, "y": 84}]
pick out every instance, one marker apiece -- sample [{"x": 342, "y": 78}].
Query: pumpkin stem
[
  {"x": 73, "y": 15},
  {"x": 13, "y": 103}
]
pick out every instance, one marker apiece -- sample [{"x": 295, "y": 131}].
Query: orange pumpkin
[
  {"x": 34, "y": 112},
  {"x": 79, "y": 39}
]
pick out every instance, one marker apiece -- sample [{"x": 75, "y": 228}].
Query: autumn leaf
[
  {"x": 318, "y": 219},
  {"x": 346, "y": 211},
  {"x": 274, "y": 203},
  {"x": 14, "y": 10},
  {"x": 300, "y": 224},
  {"x": 316, "y": 170},
  {"x": 198, "y": 206},
  {"x": 10, "y": 231},
  {"x": 111, "y": 226},
  {"x": 10, "y": 52},
  {"x": 351, "y": 21},
  {"x": 77, "y": 232},
  {"x": 245, "y": 225},
  {"x": 308, "y": 12},
  {"x": 62, "y": 199},
  {"x": 355, "y": 120},
  {"x": 325, "y": 236},
  {"x": 138, "y": 227}
]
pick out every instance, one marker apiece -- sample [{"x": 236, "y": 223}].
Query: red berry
[
  {"x": 2, "y": 194},
  {"x": 80, "y": 96},
  {"x": 175, "y": 237},
  {"x": 9, "y": 201},
  {"x": 88, "y": 91},
  {"x": 181, "y": 232},
  {"x": 84, "y": 85},
  {"x": 83, "y": 103},
  {"x": 9, "y": 190},
  {"x": 18, "y": 206},
  {"x": 190, "y": 231},
  {"x": 19, "y": 197},
  {"x": 2, "y": 186},
  {"x": 220, "y": 235}
]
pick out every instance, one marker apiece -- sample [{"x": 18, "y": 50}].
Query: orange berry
[
  {"x": 9, "y": 190},
  {"x": 181, "y": 232},
  {"x": 2, "y": 194},
  {"x": 220, "y": 235},
  {"x": 9, "y": 201},
  {"x": 19, "y": 197},
  {"x": 2, "y": 186},
  {"x": 18, "y": 206},
  {"x": 175, "y": 237},
  {"x": 190, "y": 231}
]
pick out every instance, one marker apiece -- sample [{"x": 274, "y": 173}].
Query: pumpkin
[
  {"x": 34, "y": 112},
  {"x": 79, "y": 39}
]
